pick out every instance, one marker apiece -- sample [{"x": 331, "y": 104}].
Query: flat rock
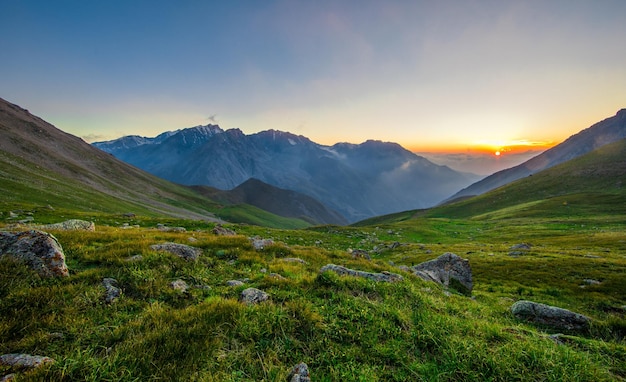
[
  {"x": 113, "y": 292},
  {"x": 383, "y": 276},
  {"x": 39, "y": 250},
  {"x": 253, "y": 296},
  {"x": 449, "y": 270},
  {"x": 181, "y": 250},
  {"x": 552, "y": 316},
  {"x": 299, "y": 373},
  {"x": 71, "y": 225},
  {"x": 24, "y": 361}
]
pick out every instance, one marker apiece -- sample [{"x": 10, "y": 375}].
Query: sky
[{"x": 463, "y": 77}]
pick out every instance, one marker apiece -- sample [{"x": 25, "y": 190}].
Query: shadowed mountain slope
[
  {"x": 275, "y": 200},
  {"x": 609, "y": 130}
]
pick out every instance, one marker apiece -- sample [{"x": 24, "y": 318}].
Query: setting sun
[{"x": 497, "y": 153}]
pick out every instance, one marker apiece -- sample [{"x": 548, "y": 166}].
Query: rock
[
  {"x": 39, "y": 250},
  {"x": 449, "y": 270},
  {"x": 259, "y": 244},
  {"x": 113, "y": 292},
  {"x": 181, "y": 250},
  {"x": 164, "y": 228},
  {"x": 234, "y": 283},
  {"x": 299, "y": 373},
  {"x": 592, "y": 282},
  {"x": 192, "y": 239},
  {"x": 221, "y": 231},
  {"x": 277, "y": 276},
  {"x": 72, "y": 225},
  {"x": 135, "y": 258},
  {"x": 359, "y": 253},
  {"x": 179, "y": 285},
  {"x": 551, "y": 316},
  {"x": 13, "y": 215},
  {"x": 128, "y": 215},
  {"x": 294, "y": 260},
  {"x": 8, "y": 378},
  {"x": 24, "y": 361},
  {"x": 383, "y": 276},
  {"x": 522, "y": 246},
  {"x": 253, "y": 296}
]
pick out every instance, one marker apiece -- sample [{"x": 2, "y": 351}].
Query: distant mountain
[
  {"x": 41, "y": 165},
  {"x": 359, "y": 181},
  {"x": 607, "y": 131},
  {"x": 278, "y": 201}
]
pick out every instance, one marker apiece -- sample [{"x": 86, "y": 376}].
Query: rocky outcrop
[
  {"x": 449, "y": 270},
  {"x": 299, "y": 373},
  {"x": 24, "y": 361},
  {"x": 71, "y": 225},
  {"x": 112, "y": 291},
  {"x": 259, "y": 244},
  {"x": 39, "y": 250},
  {"x": 252, "y": 296},
  {"x": 383, "y": 276},
  {"x": 219, "y": 230},
  {"x": 547, "y": 315},
  {"x": 181, "y": 250}
]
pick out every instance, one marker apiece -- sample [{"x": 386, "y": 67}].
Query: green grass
[{"x": 344, "y": 328}]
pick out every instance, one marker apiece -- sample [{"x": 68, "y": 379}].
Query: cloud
[
  {"x": 93, "y": 137},
  {"x": 213, "y": 119}
]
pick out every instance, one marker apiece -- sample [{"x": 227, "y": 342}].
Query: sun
[{"x": 497, "y": 153}]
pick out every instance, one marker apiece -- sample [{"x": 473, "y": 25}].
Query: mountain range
[
  {"x": 357, "y": 180},
  {"x": 604, "y": 132}
]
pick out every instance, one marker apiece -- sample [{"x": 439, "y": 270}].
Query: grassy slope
[{"x": 344, "y": 328}]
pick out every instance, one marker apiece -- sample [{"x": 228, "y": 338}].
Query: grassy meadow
[{"x": 344, "y": 328}]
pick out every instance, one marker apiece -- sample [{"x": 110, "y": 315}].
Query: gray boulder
[
  {"x": 179, "y": 285},
  {"x": 383, "y": 276},
  {"x": 24, "y": 361},
  {"x": 72, "y": 225},
  {"x": 253, "y": 296},
  {"x": 552, "y": 316},
  {"x": 259, "y": 244},
  {"x": 449, "y": 270},
  {"x": 181, "y": 250},
  {"x": 299, "y": 373},
  {"x": 39, "y": 250},
  {"x": 113, "y": 292},
  {"x": 219, "y": 230}
]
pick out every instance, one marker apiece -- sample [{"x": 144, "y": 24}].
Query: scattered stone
[
  {"x": 135, "y": 258},
  {"x": 259, "y": 244},
  {"x": 192, "y": 239},
  {"x": 129, "y": 215},
  {"x": 593, "y": 257},
  {"x": 522, "y": 246},
  {"x": 24, "y": 361},
  {"x": 449, "y": 270},
  {"x": 13, "y": 215},
  {"x": 39, "y": 250},
  {"x": 28, "y": 219},
  {"x": 299, "y": 373},
  {"x": 234, "y": 283},
  {"x": 551, "y": 316},
  {"x": 592, "y": 282},
  {"x": 179, "y": 285},
  {"x": 383, "y": 276},
  {"x": 294, "y": 260},
  {"x": 8, "y": 378},
  {"x": 164, "y": 228},
  {"x": 263, "y": 270},
  {"x": 360, "y": 254},
  {"x": 181, "y": 250},
  {"x": 113, "y": 292},
  {"x": 556, "y": 338},
  {"x": 253, "y": 296},
  {"x": 219, "y": 230},
  {"x": 72, "y": 225},
  {"x": 277, "y": 276}
]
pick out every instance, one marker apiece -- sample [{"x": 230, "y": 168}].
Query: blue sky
[{"x": 454, "y": 75}]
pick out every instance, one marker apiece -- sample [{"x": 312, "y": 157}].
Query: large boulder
[
  {"x": 383, "y": 276},
  {"x": 24, "y": 361},
  {"x": 72, "y": 225},
  {"x": 252, "y": 296},
  {"x": 39, "y": 250},
  {"x": 181, "y": 250},
  {"x": 449, "y": 270},
  {"x": 547, "y": 315}
]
